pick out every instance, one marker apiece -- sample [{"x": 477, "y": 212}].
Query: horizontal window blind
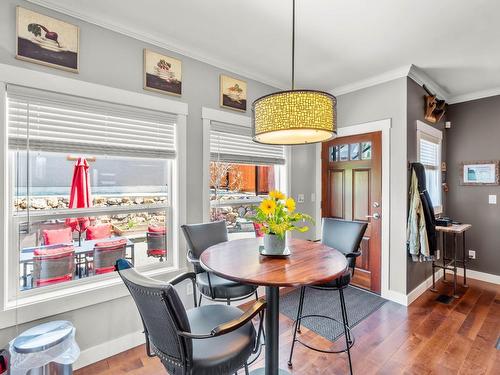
[
  {"x": 42, "y": 120},
  {"x": 429, "y": 156},
  {"x": 233, "y": 144}
]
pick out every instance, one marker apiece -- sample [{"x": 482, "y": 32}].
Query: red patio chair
[
  {"x": 259, "y": 229},
  {"x": 53, "y": 265},
  {"x": 106, "y": 254},
  {"x": 57, "y": 236},
  {"x": 157, "y": 242},
  {"x": 98, "y": 232}
]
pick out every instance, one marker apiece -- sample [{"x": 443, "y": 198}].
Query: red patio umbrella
[{"x": 80, "y": 196}]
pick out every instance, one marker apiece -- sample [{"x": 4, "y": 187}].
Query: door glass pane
[
  {"x": 343, "y": 152},
  {"x": 366, "y": 150},
  {"x": 332, "y": 152},
  {"x": 354, "y": 151}
]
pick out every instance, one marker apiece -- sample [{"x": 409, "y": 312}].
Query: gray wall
[
  {"x": 418, "y": 272},
  {"x": 474, "y": 135},
  {"x": 384, "y": 101},
  {"x": 112, "y": 59}
]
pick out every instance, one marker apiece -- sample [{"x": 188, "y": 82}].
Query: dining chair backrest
[
  {"x": 98, "y": 232},
  {"x": 343, "y": 235},
  {"x": 106, "y": 254},
  {"x": 163, "y": 316},
  {"x": 53, "y": 264},
  {"x": 57, "y": 236},
  {"x": 200, "y": 237}
]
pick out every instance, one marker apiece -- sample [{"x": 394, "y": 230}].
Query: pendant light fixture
[{"x": 294, "y": 116}]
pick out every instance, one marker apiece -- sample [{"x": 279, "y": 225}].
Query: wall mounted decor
[
  {"x": 162, "y": 73},
  {"x": 434, "y": 107},
  {"x": 479, "y": 173},
  {"x": 47, "y": 41},
  {"x": 233, "y": 93}
]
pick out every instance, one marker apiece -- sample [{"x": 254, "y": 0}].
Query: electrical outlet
[
  {"x": 472, "y": 254},
  {"x": 492, "y": 199},
  {"x": 189, "y": 289},
  {"x": 300, "y": 198}
]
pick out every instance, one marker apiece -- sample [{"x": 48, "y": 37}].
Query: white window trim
[
  {"x": 57, "y": 299},
  {"x": 425, "y": 131},
  {"x": 208, "y": 115}
]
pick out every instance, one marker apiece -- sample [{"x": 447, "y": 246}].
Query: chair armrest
[
  {"x": 182, "y": 277},
  {"x": 354, "y": 254},
  {"x": 232, "y": 325},
  {"x": 192, "y": 260}
]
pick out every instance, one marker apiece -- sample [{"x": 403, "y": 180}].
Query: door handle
[{"x": 375, "y": 216}]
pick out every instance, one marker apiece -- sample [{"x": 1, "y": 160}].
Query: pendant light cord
[{"x": 293, "y": 46}]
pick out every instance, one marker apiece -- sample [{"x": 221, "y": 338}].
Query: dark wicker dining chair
[
  {"x": 200, "y": 237},
  {"x": 205, "y": 340},
  {"x": 344, "y": 236}
]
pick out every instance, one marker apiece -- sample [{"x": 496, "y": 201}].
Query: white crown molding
[
  {"x": 474, "y": 96},
  {"x": 420, "y": 77},
  {"x": 147, "y": 38},
  {"x": 372, "y": 81}
]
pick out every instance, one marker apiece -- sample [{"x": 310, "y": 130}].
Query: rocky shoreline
[{"x": 54, "y": 202}]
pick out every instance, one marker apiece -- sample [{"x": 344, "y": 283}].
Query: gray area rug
[{"x": 360, "y": 304}]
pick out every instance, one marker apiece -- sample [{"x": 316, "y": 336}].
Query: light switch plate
[
  {"x": 300, "y": 198},
  {"x": 492, "y": 199},
  {"x": 313, "y": 197}
]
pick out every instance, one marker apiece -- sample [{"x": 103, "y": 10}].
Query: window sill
[{"x": 52, "y": 302}]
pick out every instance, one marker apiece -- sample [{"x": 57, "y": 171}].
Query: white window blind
[
  {"x": 49, "y": 121},
  {"x": 234, "y": 144},
  {"x": 429, "y": 153}
]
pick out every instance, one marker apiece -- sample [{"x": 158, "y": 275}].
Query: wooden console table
[{"x": 451, "y": 263}]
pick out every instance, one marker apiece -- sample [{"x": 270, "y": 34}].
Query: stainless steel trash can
[{"x": 46, "y": 349}]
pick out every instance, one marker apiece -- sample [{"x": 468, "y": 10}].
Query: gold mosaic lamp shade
[{"x": 294, "y": 117}]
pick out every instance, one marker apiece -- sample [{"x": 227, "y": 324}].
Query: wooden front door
[{"x": 352, "y": 190}]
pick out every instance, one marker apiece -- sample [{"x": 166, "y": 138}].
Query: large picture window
[
  {"x": 128, "y": 153},
  {"x": 429, "y": 154},
  {"x": 241, "y": 173}
]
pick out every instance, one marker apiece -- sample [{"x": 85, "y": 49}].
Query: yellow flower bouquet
[{"x": 277, "y": 215}]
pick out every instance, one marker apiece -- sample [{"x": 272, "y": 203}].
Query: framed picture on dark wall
[
  {"x": 162, "y": 73},
  {"x": 47, "y": 41},
  {"x": 479, "y": 173},
  {"x": 233, "y": 93}
]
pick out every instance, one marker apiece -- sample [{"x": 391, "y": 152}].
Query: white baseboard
[
  {"x": 394, "y": 296},
  {"x": 483, "y": 276},
  {"x": 419, "y": 290},
  {"x": 108, "y": 349}
]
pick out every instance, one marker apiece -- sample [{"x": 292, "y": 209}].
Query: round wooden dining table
[{"x": 310, "y": 263}]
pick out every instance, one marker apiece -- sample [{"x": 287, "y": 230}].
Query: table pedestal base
[{"x": 262, "y": 371}]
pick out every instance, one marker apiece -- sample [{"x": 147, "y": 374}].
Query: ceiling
[{"x": 338, "y": 42}]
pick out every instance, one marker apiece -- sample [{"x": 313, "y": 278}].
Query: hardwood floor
[{"x": 428, "y": 337}]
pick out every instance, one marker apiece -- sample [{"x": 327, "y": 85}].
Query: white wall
[
  {"x": 383, "y": 101},
  {"x": 114, "y": 60}
]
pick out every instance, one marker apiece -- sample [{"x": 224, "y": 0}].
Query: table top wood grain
[
  {"x": 455, "y": 228},
  {"x": 310, "y": 263}
]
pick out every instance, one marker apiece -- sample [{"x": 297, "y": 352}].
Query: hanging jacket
[{"x": 421, "y": 230}]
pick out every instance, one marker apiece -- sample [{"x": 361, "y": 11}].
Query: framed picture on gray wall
[
  {"x": 162, "y": 73},
  {"x": 479, "y": 173},
  {"x": 233, "y": 93},
  {"x": 47, "y": 41}
]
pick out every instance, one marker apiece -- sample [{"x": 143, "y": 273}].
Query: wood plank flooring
[{"x": 426, "y": 338}]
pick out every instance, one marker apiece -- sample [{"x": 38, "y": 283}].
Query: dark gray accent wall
[
  {"x": 418, "y": 272},
  {"x": 475, "y": 135}
]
